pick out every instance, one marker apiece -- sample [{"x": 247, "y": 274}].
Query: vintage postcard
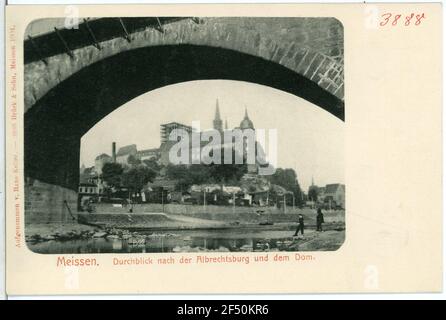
[{"x": 223, "y": 148}]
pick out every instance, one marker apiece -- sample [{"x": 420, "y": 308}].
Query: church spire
[
  {"x": 218, "y": 124},
  {"x": 217, "y": 111},
  {"x": 246, "y": 122}
]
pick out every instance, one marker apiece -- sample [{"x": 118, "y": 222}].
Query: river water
[{"x": 177, "y": 241}]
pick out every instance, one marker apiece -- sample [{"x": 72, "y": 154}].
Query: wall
[
  {"x": 189, "y": 209},
  {"x": 224, "y": 213},
  {"x": 44, "y": 203},
  {"x": 119, "y": 219}
]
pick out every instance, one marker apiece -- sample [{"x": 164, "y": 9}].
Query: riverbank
[
  {"x": 153, "y": 220},
  {"x": 38, "y": 232},
  {"x": 119, "y": 218},
  {"x": 166, "y": 227},
  {"x": 242, "y": 239},
  {"x": 138, "y": 227}
]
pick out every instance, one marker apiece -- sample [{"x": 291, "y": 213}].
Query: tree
[
  {"x": 186, "y": 176},
  {"x": 136, "y": 177},
  {"x": 206, "y": 174},
  {"x": 111, "y": 174},
  {"x": 199, "y": 173},
  {"x": 313, "y": 193},
  {"x": 223, "y": 173},
  {"x": 152, "y": 164},
  {"x": 287, "y": 178},
  {"x": 179, "y": 173},
  {"x": 133, "y": 161}
]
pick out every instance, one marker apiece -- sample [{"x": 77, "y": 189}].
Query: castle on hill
[{"x": 161, "y": 154}]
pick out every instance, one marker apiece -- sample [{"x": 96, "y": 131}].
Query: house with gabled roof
[
  {"x": 334, "y": 194},
  {"x": 125, "y": 152}
]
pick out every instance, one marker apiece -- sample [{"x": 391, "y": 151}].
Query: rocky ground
[
  {"x": 57, "y": 231},
  {"x": 331, "y": 239},
  {"x": 137, "y": 229},
  {"x": 63, "y": 232}
]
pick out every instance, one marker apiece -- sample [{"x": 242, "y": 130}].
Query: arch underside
[{"x": 56, "y": 123}]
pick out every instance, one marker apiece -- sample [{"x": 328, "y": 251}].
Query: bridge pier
[{"x": 48, "y": 203}]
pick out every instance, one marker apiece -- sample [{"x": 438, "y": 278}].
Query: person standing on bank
[
  {"x": 300, "y": 226},
  {"x": 319, "y": 219}
]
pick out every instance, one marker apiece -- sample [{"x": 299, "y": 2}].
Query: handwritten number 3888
[{"x": 394, "y": 19}]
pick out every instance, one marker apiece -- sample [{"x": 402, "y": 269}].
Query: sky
[{"x": 309, "y": 139}]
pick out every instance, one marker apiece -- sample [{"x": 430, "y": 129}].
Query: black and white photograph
[{"x": 184, "y": 134}]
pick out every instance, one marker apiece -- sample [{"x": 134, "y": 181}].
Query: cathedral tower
[
  {"x": 246, "y": 122},
  {"x": 218, "y": 123}
]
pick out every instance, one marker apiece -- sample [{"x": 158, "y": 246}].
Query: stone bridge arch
[
  {"x": 311, "y": 47},
  {"x": 69, "y": 88}
]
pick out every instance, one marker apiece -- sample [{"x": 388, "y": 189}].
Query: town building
[
  {"x": 91, "y": 186},
  {"x": 334, "y": 195},
  {"x": 167, "y": 128},
  {"x": 331, "y": 196},
  {"x": 148, "y": 154},
  {"x": 100, "y": 161},
  {"x": 88, "y": 189},
  {"x": 124, "y": 153}
]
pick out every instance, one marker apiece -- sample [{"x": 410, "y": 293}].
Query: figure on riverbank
[
  {"x": 300, "y": 226},
  {"x": 319, "y": 219}
]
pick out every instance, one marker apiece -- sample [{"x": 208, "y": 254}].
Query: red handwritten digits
[
  {"x": 386, "y": 19},
  {"x": 418, "y": 17},
  {"x": 408, "y": 18},
  {"x": 395, "y": 20}
]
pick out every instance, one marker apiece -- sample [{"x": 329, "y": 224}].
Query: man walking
[
  {"x": 319, "y": 219},
  {"x": 300, "y": 226}
]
